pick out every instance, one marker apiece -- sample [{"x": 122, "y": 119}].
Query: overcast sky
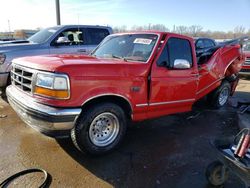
[{"x": 221, "y": 15}]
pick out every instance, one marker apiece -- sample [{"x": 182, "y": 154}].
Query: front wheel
[
  {"x": 219, "y": 97},
  {"x": 100, "y": 129}
]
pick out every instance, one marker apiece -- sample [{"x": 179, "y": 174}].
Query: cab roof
[{"x": 160, "y": 33}]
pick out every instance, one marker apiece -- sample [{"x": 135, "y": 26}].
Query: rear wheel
[
  {"x": 217, "y": 173},
  {"x": 100, "y": 129},
  {"x": 219, "y": 97}
]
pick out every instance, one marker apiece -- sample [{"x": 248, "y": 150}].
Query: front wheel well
[
  {"x": 120, "y": 101},
  {"x": 232, "y": 78}
]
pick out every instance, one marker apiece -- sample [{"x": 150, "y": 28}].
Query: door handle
[{"x": 82, "y": 50}]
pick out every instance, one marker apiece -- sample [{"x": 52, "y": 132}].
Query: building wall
[{"x": 17, "y": 34}]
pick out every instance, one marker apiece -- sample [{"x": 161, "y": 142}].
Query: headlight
[
  {"x": 45, "y": 80},
  {"x": 2, "y": 58},
  {"x": 52, "y": 85}
]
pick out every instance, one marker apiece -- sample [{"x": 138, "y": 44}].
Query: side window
[
  {"x": 96, "y": 35},
  {"x": 199, "y": 44},
  {"x": 69, "y": 37},
  {"x": 163, "y": 60},
  {"x": 179, "y": 49},
  {"x": 175, "y": 49}
]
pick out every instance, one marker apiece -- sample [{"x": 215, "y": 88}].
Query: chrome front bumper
[
  {"x": 245, "y": 73},
  {"x": 3, "y": 78},
  {"x": 245, "y": 70},
  {"x": 46, "y": 119}
]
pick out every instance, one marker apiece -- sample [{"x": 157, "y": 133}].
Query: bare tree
[
  {"x": 248, "y": 33},
  {"x": 159, "y": 27},
  {"x": 181, "y": 29},
  {"x": 239, "y": 31},
  {"x": 194, "y": 30},
  {"x": 120, "y": 29},
  {"x": 138, "y": 28}
]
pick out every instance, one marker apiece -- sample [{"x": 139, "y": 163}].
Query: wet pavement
[{"x": 171, "y": 151}]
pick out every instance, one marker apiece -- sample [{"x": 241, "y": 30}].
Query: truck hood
[
  {"x": 14, "y": 42},
  {"x": 6, "y": 47},
  {"x": 82, "y": 65}
]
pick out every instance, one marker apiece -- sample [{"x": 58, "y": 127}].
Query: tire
[
  {"x": 217, "y": 173},
  {"x": 99, "y": 129},
  {"x": 219, "y": 97}
]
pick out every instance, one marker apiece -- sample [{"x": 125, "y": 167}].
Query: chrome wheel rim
[
  {"x": 104, "y": 129},
  {"x": 224, "y": 94}
]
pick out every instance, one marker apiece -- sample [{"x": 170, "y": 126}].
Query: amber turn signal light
[{"x": 59, "y": 94}]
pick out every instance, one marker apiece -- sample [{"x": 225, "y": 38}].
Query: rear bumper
[
  {"x": 49, "y": 120},
  {"x": 3, "y": 78}
]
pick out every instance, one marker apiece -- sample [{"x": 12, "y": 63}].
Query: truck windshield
[
  {"x": 43, "y": 35},
  {"x": 128, "y": 47}
]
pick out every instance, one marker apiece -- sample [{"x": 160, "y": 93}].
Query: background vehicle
[
  {"x": 128, "y": 77},
  {"x": 246, "y": 66},
  {"x": 77, "y": 39},
  {"x": 202, "y": 44}
]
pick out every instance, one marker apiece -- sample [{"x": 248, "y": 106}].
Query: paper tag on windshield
[{"x": 142, "y": 41}]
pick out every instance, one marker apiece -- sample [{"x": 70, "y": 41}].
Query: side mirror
[
  {"x": 62, "y": 40},
  {"x": 181, "y": 64}
]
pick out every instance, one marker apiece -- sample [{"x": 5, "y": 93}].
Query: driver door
[
  {"x": 69, "y": 41},
  {"x": 173, "y": 89}
]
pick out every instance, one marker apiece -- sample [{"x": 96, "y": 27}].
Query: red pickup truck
[{"x": 128, "y": 77}]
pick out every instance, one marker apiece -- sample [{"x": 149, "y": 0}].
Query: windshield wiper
[{"x": 118, "y": 57}]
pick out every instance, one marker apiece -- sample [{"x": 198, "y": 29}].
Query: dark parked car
[{"x": 203, "y": 44}]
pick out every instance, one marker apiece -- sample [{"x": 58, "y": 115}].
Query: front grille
[
  {"x": 247, "y": 62},
  {"x": 21, "y": 77},
  {"x": 245, "y": 70}
]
